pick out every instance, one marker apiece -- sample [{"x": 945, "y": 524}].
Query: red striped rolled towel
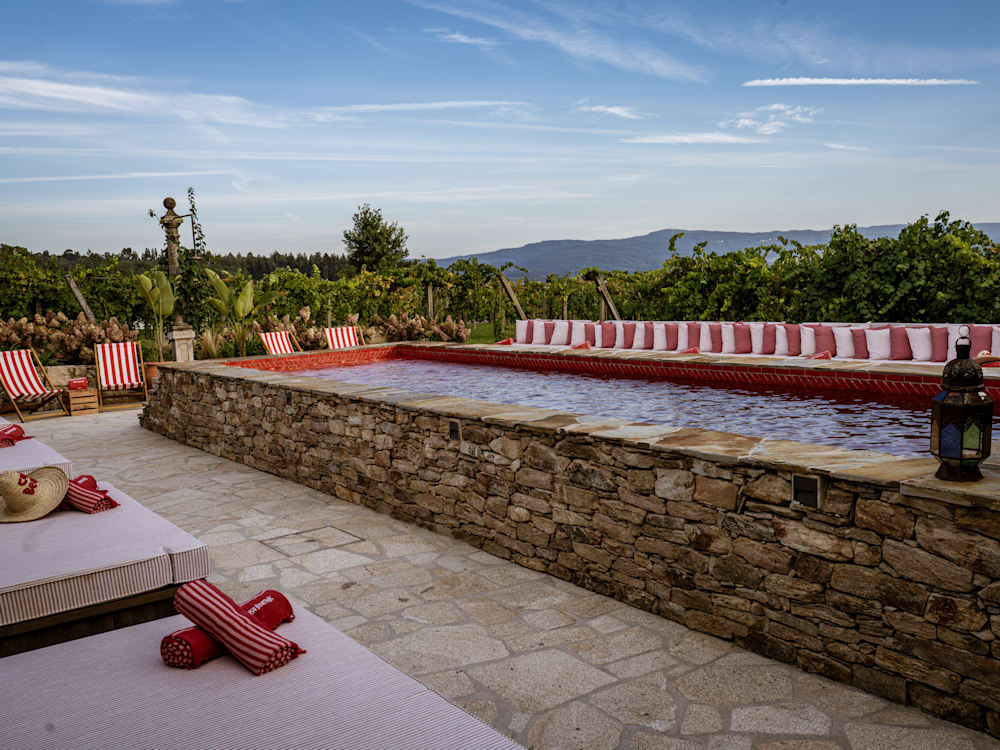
[
  {"x": 12, "y": 433},
  {"x": 191, "y": 647},
  {"x": 692, "y": 350},
  {"x": 581, "y": 345},
  {"x": 83, "y": 495},
  {"x": 505, "y": 342},
  {"x": 256, "y": 647},
  {"x": 822, "y": 355}
]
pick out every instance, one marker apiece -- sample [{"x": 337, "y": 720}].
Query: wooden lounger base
[{"x": 86, "y": 621}]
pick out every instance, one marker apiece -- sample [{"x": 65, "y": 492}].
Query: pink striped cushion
[
  {"x": 608, "y": 334},
  {"x": 647, "y": 342},
  {"x": 590, "y": 333},
  {"x": 341, "y": 337},
  {"x": 741, "y": 334},
  {"x": 83, "y": 495},
  {"x": 550, "y": 327},
  {"x": 256, "y": 647},
  {"x": 770, "y": 339},
  {"x": 629, "y": 329}
]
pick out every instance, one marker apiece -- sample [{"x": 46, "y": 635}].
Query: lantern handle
[{"x": 964, "y": 335}]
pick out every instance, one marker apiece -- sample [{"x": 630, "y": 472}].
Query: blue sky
[{"x": 481, "y": 124}]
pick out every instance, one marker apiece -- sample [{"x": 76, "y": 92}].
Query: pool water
[{"x": 892, "y": 425}]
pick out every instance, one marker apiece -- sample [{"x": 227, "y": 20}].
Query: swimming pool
[{"x": 859, "y": 421}]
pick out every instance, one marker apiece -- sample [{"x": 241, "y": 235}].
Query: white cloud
[
  {"x": 118, "y": 176},
  {"x": 419, "y": 106},
  {"x": 457, "y": 37},
  {"x": 691, "y": 138},
  {"x": 845, "y": 147},
  {"x": 809, "y": 81},
  {"x": 772, "y": 118},
  {"x": 626, "y": 113},
  {"x": 584, "y": 41}
]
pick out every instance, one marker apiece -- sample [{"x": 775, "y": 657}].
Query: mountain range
[{"x": 648, "y": 251}]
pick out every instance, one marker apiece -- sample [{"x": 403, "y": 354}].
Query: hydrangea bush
[{"x": 58, "y": 338}]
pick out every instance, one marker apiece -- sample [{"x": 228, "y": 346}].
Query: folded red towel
[
  {"x": 692, "y": 350},
  {"x": 12, "y": 433},
  {"x": 822, "y": 355},
  {"x": 256, "y": 647},
  {"x": 581, "y": 345},
  {"x": 505, "y": 342},
  {"x": 191, "y": 647},
  {"x": 83, "y": 495}
]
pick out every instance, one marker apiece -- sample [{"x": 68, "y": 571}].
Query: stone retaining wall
[{"x": 891, "y": 584}]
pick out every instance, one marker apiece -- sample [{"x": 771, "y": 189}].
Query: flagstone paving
[{"x": 548, "y": 663}]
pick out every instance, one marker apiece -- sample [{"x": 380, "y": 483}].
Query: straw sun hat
[{"x": 27, "y": 497}]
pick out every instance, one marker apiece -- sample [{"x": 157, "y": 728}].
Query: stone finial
[{"x": 169, "y": 203}]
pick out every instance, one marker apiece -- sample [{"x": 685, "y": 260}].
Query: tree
[{"x": 373, "y": 242}]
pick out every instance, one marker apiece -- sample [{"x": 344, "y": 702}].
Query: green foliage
[
  {"x": 155, "y": 288},
  {"x": 372, "y": 242},
  {"x": 238, "y": 309}
]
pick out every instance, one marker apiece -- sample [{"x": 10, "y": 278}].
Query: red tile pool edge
[{"x": 857, "y": 381}]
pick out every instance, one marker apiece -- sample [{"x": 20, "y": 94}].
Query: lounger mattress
[
  {"x": 112, "y": 690},
  {"x": 70, "y": 559},
  {"x": 28, "y": 455}
]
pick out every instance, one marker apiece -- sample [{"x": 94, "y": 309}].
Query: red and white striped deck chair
[
  {"x": 22, "y": 386},
  {"x": 342, "y": 337},
  {"x": 120, "y": 370},
  {"x": 279, "y": 342}
]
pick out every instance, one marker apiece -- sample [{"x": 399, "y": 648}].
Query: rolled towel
[
  {"x": 191, "y": 647},
  {"x": 12, "y": 433},
  {"x": 83, "y": 495},
  {"x": 581, "y": 345},
  {"x": 505, "y": 342},
  {"x": 822, "y": 355},
  {"x": 256, "y": 647}
]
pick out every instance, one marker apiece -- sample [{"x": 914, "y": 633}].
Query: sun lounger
[
  {"x": 74, "y": 574},
  {"x": 112, "y": 690},
  {"x": 279, "y": 342},
  {"x": 24, "y": 389},
  {"x": 342, "y": 337},
  {"x": 120, "y": 371},
  {"x": 28, "y": 455}
]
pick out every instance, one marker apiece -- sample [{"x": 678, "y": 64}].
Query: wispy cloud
[
  {"x": 810, "y": 81},
  {"x": 691, "y": 138},
  {"x": 385, "y": 49},
  {"x": 845, "y": 147},
  {"x": 420, "y": 106},
  {"x": 579, "y": 39},
  {"x": 116, "y": 176},
  {"x": 773, "y": 118},
  {"x": 626, "y": 113},
  {"x": 457, "y": 37}
]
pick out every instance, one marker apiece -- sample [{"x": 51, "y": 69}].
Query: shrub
[{"x": 60, "y": 339}]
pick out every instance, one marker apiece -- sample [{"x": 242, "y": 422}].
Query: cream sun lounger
[
  {"x": 113, "y": 691},
  {"x": 28, "y": 455},
  {"x": 72, "y": 574}
]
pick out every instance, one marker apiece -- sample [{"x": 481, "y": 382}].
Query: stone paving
[{"x": 548, "y": 663}]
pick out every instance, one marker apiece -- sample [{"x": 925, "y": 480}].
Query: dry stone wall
[{"x": 891, "y": 591}]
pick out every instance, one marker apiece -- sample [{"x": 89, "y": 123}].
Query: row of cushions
[{"x": 913, "y": 343}]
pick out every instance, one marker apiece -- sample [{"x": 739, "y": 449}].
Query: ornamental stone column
[{"x": 179, "y": 333}]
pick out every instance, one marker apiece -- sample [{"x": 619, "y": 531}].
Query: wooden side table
[{"x": 83, "y": 401}]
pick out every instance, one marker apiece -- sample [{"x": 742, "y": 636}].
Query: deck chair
[
  {"x": 120, "y": 370},
  {"x": 24, "y": 389},
  {"x": 280, "y": 342},
  {"x": 342, "y": 337}
]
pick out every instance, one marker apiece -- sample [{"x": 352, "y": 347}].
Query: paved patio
[{"x": 548, "y": 663}]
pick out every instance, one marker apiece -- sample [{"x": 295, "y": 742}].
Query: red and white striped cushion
[
  {"x": 118, "y": 364},
  {"x": 256, "y": 647},
  {"x": 83, "y": 495},
  {"x": 19, "y": 376},
  {"x": 277, "y": 342},
  {"x": 342, "y": 337}
]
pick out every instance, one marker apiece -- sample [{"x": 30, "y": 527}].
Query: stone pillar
[{"x": 179, "y": 334}]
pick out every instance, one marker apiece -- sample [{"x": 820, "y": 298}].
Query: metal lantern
[{"x": 961, "y": 418}]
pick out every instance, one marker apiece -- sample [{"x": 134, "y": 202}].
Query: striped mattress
[
  {"x": 112, "y": 690},
  {"x": 70, "y": 559}
]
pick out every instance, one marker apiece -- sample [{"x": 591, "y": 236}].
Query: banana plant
[
  {"x": 239, "y": 310},
  {"x": 155, "y": 288}
]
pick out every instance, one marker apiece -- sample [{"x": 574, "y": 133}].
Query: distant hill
[{"x": 650, "y": 250}]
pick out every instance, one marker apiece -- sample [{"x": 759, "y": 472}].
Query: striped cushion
[
  {"x": 83, "y": 495},
  {"x": 342, "y": 337},
  {"x": 118, "y": 366},
  {"x": 191, "y": 647},
  {"x": 256, "y": 647},
  {"x": 277, "y": 342},
  {"x": 19, "y": 376}
]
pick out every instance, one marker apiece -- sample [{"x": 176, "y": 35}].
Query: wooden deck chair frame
[
  {"x": 291, "y": 337},
  {"x": 124, "y": 404},
  {"x": 30, "y": 413}
]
